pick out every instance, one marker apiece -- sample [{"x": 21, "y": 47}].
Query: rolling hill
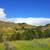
[{"x": 18, "y": 31}]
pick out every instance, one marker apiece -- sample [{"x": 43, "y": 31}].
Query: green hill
[{"x": 23, "y": 31}]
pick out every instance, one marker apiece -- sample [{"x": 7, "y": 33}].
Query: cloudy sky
[{"x": 36, "y": 12}]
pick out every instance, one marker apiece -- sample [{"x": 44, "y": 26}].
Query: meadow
[{"x": 36, "y": 44}]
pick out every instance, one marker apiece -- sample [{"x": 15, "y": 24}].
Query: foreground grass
[{"x": 36, "y": 44}]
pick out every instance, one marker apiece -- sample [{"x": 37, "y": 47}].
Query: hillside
[{"x": 19, "y": 31}]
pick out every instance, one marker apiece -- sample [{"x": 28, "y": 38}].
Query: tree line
[{"x": 27, "y": 34}]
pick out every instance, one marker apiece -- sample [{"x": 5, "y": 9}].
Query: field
[{"x": 36, "y": 44}]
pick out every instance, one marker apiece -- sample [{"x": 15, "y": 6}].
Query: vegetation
[
  {"x": 23, "y": 31},
  {"x": 22, "y": 36},
  {"x": 40, "y": 44}
]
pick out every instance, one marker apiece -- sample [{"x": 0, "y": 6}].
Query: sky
[{"x": 35, "y": 12}]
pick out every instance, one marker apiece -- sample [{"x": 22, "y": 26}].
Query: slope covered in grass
[{"x": 36, "y": 44}]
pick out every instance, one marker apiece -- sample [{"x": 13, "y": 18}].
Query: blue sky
[
  {"x": 35, "y": 12},
  {"x": 26, "y": 8},
  {"x": 8, "y": 5},
  {"x": 33, "y": 8}
]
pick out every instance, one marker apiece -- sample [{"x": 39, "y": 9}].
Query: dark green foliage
[
  {"x": 1, "y": 37},
  {"x": 48, "y": 31},
  {"x": 28, "y": 35}
]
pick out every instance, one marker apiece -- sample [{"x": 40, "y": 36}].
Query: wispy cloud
[{"x": 33, "y": 21}]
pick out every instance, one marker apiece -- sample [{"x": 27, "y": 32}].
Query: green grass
[{"x": 36, "y": 44}]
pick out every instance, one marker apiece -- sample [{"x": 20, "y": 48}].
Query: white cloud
[
  {"x": 33, "y": 21},
  {"x": 2, "y": 14}
]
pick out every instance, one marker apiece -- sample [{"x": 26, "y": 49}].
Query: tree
[{"x": 1, "y": 37}]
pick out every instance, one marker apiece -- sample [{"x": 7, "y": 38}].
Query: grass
[{"x": 36, "y": 44}]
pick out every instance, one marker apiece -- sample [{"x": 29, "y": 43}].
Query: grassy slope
[{"x": 30, "y": 45}]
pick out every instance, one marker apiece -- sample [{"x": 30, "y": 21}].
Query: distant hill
[
  {"x": 9, "y": 26},
  {"x": 23, "y": 30}
]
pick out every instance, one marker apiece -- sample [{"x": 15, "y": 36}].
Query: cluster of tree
[{"x": 28, "y": 34}]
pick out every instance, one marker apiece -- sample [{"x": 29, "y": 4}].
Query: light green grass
[{"x": 29, "y": 45}]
